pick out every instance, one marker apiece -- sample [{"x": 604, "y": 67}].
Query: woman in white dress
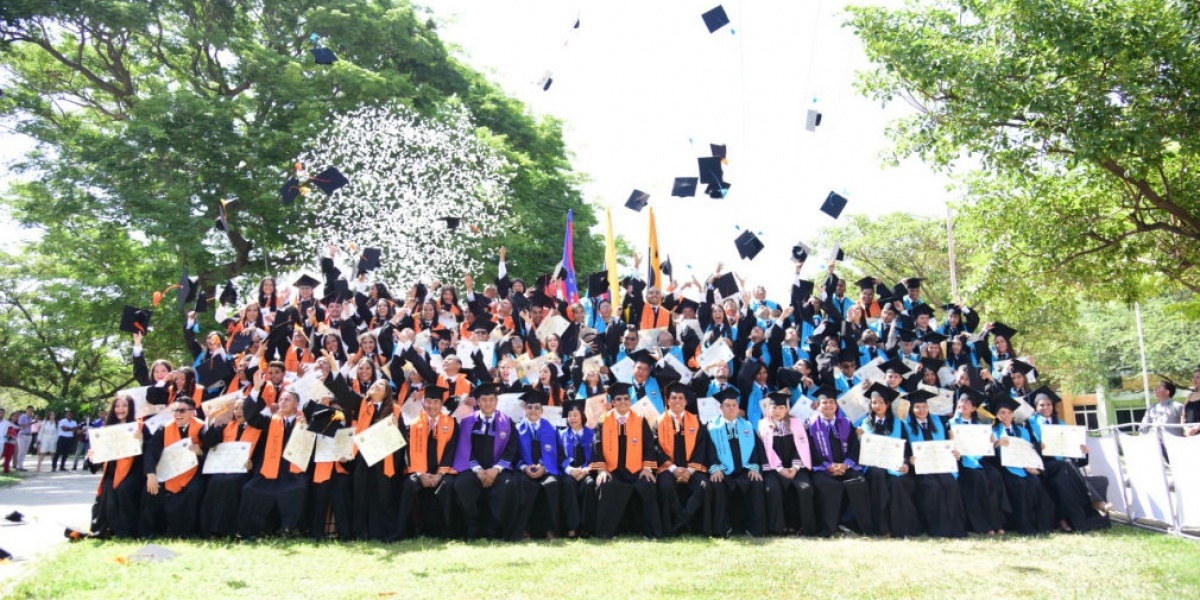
[{"x": 47, "y": 438}]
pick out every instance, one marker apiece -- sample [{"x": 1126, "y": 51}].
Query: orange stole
[
  {"x": 230, "y": 434},
  {"x": 170, "y": 436},
  {"x": 292, "y": 362},
  {"x": 461, "y": 387},
  {"x": 666, "y": 438},
  {"x": 634, "y": 454},
  {"x": 270, "y": 393},
  {"x": 648, "y": 320},
  {"x": 365, "y": 416},
  {"x": 274, "y": 450},
  {"x": 418, "y": 443},
  {"x": 123, "y": 466}
]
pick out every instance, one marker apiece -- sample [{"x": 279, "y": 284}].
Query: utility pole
[{"x": 950, "y": 245}]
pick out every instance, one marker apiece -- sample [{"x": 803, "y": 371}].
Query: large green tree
[
  {"x": 147, "y": 113},
  {"x": 1083, "y": 118}
]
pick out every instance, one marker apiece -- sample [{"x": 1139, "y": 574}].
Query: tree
[
  {"x": 147, "y": 114},
  {"x": 1082, "y": 115}
]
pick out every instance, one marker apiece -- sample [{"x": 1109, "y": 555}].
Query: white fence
[{"x": 1158, "y": 482}]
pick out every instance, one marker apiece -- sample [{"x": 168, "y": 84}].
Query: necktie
[
  {"x": 486, "y": 423},
  {"x": 835, "y": 444},
  {"x": 535, "y": 447},
  {"x": 1010, "y": 432},
  {"x": 579, "y": 456},
  {"x": 655, "y": 315},
  {"x": 432, "y": 424}
]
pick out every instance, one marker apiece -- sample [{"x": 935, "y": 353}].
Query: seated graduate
[
  {"x": 375, "y": 487},
  {"x": 330, "y": 492},
  {"x": 979, "y": 481},
  {"x": 892, "y": 509},
  {"x": 787, "y": 470},
  {"x": 119, "y": 494},
  {"x": 223, "y": 493},
  {"x": 684, "y": 493},
  {"x": 484, "y": 459},
  {"x": 624, "y": 457},
  {"x": 432, "y": 441},
  {"x": 643, "y": 385},
  {"x": 174, "y": 507},
  {"x": 1032, "y": 508},
  {"x": 578, "y": 485},
  {"x": 938, "y": 496},
  {"x": 836, "y": 475},
  {"x": 736, "y": 472},
  {"x": 1080, "y": 500},
  {"x": 277, "y": 489},
  {"x": 539, "y": 459}
]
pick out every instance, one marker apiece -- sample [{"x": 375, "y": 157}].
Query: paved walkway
[{"x": 50, "y": 502}]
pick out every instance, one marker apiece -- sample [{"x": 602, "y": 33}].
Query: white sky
[{"x": 639, "y": 79}]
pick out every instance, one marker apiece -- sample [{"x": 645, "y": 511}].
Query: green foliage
[
  {"x": 1083, "y": 119},
  {"x": 146, "y": 114}
]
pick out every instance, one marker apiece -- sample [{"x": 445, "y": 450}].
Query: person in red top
[{"x": 173, "y": 506}]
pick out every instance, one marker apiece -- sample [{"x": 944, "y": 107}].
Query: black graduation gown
[
  {"x": 893, "y": 511},
  {"x": 434, "y": 506},
  {"x": 1073, "y": 493},
  {"x": 1032, "y": 508},
  {"x": 938, "y": 497},
  {"x": 737, "y": 499},
  {"x": 223, "y": 492},
  {"x": 115, "y": 512},
  {"x": 270, "y": 504},
  {"x": 169, "y": 513},
  {"x": 681, "y": 504},
  {"x": 503, "y": 499},
  {"x": 833, "y": 492},
  {"x": 791, "y": 503},
  {"x": 612, "y": 497}
]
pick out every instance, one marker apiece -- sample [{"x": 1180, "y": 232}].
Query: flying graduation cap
[
  {"x": 324, "y": 56},
  {"x": 637, "y": 201},
  {"x": 685, "y": 187},
  {"x": 812, "y": 120},
  {"x": 748, "y": 245},
  {"x": 330, "y": 180},
  {"x": 222, "y": 220},
  {"x": 451, "y": 222},
  {"x": 135, "y": 320},
  {"x": 186, "y": 289},
  {"x": 229, "y": 294},
  {"x": 834, "y": 205},
  {"x": 369, "y": 260},
  {"x": 715, "y": 19},
  {"x": 800, "y": 252}
]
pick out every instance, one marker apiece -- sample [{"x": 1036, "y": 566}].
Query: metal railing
[{"x": 1131, "y": 501}]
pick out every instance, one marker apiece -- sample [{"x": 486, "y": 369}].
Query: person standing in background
[
  {"x": 46, "y": 431},
  {"x": 25, "y": 436},
  {"x": 66, "y": 442}
]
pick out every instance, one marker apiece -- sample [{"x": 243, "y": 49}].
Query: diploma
[
  {"x": 973, "y": 440},
  {"x": 176, "y": 459},
  {"x": 552, "y": 325},
  {"x": 853, "y": 404},
  {"x": 114, "y": 441},
  {"x": 554, "y": 414},
  {"x": 693, "y": 324},
  {"x": 595, "y": 408},
  {"x": 411, "y": 409},
  {"x": 593, "y": 363},
  {"x": 299, "y": 448},
  {"x": 648, "y": 338},
  {"x": 900, "y": 408},
  {"x": 934, "y": 457},
  {"x": 942, "y": 404},
  {"x": 511, "y": 405},
  {"x": 1023, "y": 412},
  {"x": 871, "y": 371},
  {"x": 220, "y": 405},
  {"x": 379, "y": 440},
  {"x": 802, "y": 409},
  {"x": 332, "y": 448},
  {"x": 532, "y": 368},
  {"x": 228, "y": 457},
  {"x": 881, "y": 451},
  {"x": 141, "y": 407},
  {"x": 685, "y": 374},
  {"x": 1020, "y": 454},
  {"x": 309, "y": 387},
  {"x": 466, "y": 348},
  {"x": 1063, "y": 440},
  {"x": 719, "y": 352},
  {"x": 463, "y": 411},
  {"x": 646, "y": 409},
  {"x": 709, "y": 409},
  {"x": 623, "y": 370},
  {"x": 158, "y": 421}
]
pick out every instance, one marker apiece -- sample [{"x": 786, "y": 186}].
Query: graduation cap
[
  {"x": 866, "y": 283},
  {"x": 229, "y": 295},
  {"x": 321, "y": 419},
  {"x": 135, "y": 320},
  {"x": 812, "y": 120},
  {"x": 718, "y": 150},
  {"x": 290, "y": 191},
  {"x": 597, "y": 284},
  {"x": 837, "y": 254},
  {"x": 71, "y": 534},
  {"x": 885, "y": 392},
  {"x": 436, "y": 392},
  {"x": 748, "y": 245},
  {"x": 339, "y": 291},
  {"x": 919, "y": 396},
  {"x": 834, "y": 205},
  {"x": 222, "y": 220},
  {"x": 826, "y": 391},
  {"x": 895, "y": 365},
  {"x": 202, "y": 297},
  {"x": 187, "y": 289},
  {"x": 715, "y": 19},
  {"x": 718, "y": 190},
  {"x": 212, "y": 372},
  {"x": 983, "y": 352},
  {"x": 729, "y": 393},
  {"x": 324, "y": 56},
  {"x": 619, "y": 389},
  {"x": 369, "y": 260},
  {"x": 1047, "y": 392},
  {"x": 933, "y": 364},
  {"x": 922, "y": 309},
  {"x": 686, "y": 303},
  {"x": 780, "y": 398},
  {"x": 973, "y": 378},
  {"x": 486, "y": 389},
  {"x": 685, "y": 187},
  {"x": 443, "y": 334},
  {"x": 451, "y": 222},
  {"x": 906, "y": 335},
  {"x": 306, "y": 280},
  {"x": 788, "y": 378},
  {"x": 1021, "y": 367},
  {"x": 330, "y": 180},
  {"x": 711, "y": 172},
  {"x": 971, "y": 394},
  {"x": 726, "y": 284},
  {"x": 800, "y": 252},
  {"x": 1000, "y": 402},
  {"x": 665, "y": 267},
  {"x": 934, "y": 337},
  {"x": 849, "y": 354},
  {"x": 534, "y": 396},
  {"x": 1003, "y": 330},
  {"x": 802, "y": 291},
  {"x": 681, "y": 388},
  {"x": 240, "y": 343},
  {"x": 14, "y": 517},
  {"x": 912, "y": 283},
  {"x": 637, "y": 201},
  {"x": 546, "y": 81},
  {"x": 483, "y": 324},
  {"x": 643, "y": 356}
]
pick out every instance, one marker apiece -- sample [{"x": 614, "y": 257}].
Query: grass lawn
[
  {"x": 1123, "y": 562},
  {"x": 7, "y": 479}
]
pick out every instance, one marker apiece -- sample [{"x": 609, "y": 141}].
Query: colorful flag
[
  {"x": 610, "y": 262},
  {"x": 571, "y": 292},
  {"x": 654, "y": 275}
]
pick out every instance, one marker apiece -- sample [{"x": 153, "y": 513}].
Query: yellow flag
[
  {"x": 655, "y": 265},
  {"x": 610, "y": 262}
]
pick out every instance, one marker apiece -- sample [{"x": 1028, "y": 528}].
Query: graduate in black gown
[
  {"x": 429, "y": 479},
  {"x": 117, "y": 501},
  {"x": 172, "y": 507},
  {"x": 624, "y": 457},
  {"x": 736, "y": 471},
  {"x": 684, "y": 453},
  {"x": 376, "y": 488},
  {"x": 893, "y": 491},
  {"x": 274, "y": 498},
  {"x": 938, "y": 498},
  {"x": 984, "y": 500},
  {"x": 539, "y": 462},
  {"x": 223, "y": 495},
  {"x": 791, "y": 497},
  {"x": 484, "y": 460},
  {"x": 1032, "y": 508},
  {"x": 579, "y": 486},
  {"x": 836, "y": 474},
  {"x": 329, "y": 494},
  {"x": 1080, "y": 500}
]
